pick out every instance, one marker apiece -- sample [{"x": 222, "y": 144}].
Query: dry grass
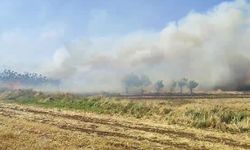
[
  {"x": 26, "y": 127},
  {"x": 229, "y": 115},
  {"x": 69, "y": 122}
]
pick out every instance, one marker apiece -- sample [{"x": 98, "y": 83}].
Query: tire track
[{"x": 72, "y": 127}]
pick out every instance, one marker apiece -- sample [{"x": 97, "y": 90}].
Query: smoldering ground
[{"x": 211, "y": 47}]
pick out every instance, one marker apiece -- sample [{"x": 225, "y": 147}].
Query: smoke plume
[{"x": 212, "y": 48}]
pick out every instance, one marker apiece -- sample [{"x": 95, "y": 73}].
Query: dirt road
[{"x": 57, "y": 129}]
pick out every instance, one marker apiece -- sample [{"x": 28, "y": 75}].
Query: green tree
[
  {"x": 159, "y": 85},
  {"x": 131, "y": 80},
  {"x": 182, "y": 83},
  {"x": 145, "y": 81},
  {"x": 191, "y": 85}
]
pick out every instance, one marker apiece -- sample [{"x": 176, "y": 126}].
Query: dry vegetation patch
[{"x": 65, "y": 121}]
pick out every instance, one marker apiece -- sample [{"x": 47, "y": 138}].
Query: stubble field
[{"x": 39, "y": 121}]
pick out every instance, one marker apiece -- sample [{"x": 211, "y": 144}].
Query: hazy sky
[
  {"x": 32, "y": 30},
  {"x": 93, "y": 44}
]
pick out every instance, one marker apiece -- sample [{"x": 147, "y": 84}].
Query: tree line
[
  {"x": 9, "y": 77},
  {"x": 132, "y": 80}
]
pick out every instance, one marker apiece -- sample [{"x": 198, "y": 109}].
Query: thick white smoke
[{"x": 202, "y": 46}]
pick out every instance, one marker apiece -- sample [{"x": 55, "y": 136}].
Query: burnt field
[{"x": 170, "y": 96}]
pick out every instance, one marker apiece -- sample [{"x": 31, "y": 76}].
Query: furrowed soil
[{"x": 33, "y": 127}]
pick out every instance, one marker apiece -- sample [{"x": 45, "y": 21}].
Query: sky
[
  {"x": 93, "y": 44},
  {"x": 32, "y": 30}
]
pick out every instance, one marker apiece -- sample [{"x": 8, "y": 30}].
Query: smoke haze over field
[{"x": 211, "y": 47}]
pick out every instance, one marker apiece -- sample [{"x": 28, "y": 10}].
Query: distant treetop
[{"x": 26, "y": 79}]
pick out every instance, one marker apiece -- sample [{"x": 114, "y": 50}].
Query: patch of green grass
[{"x": 91, "y": 104}]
